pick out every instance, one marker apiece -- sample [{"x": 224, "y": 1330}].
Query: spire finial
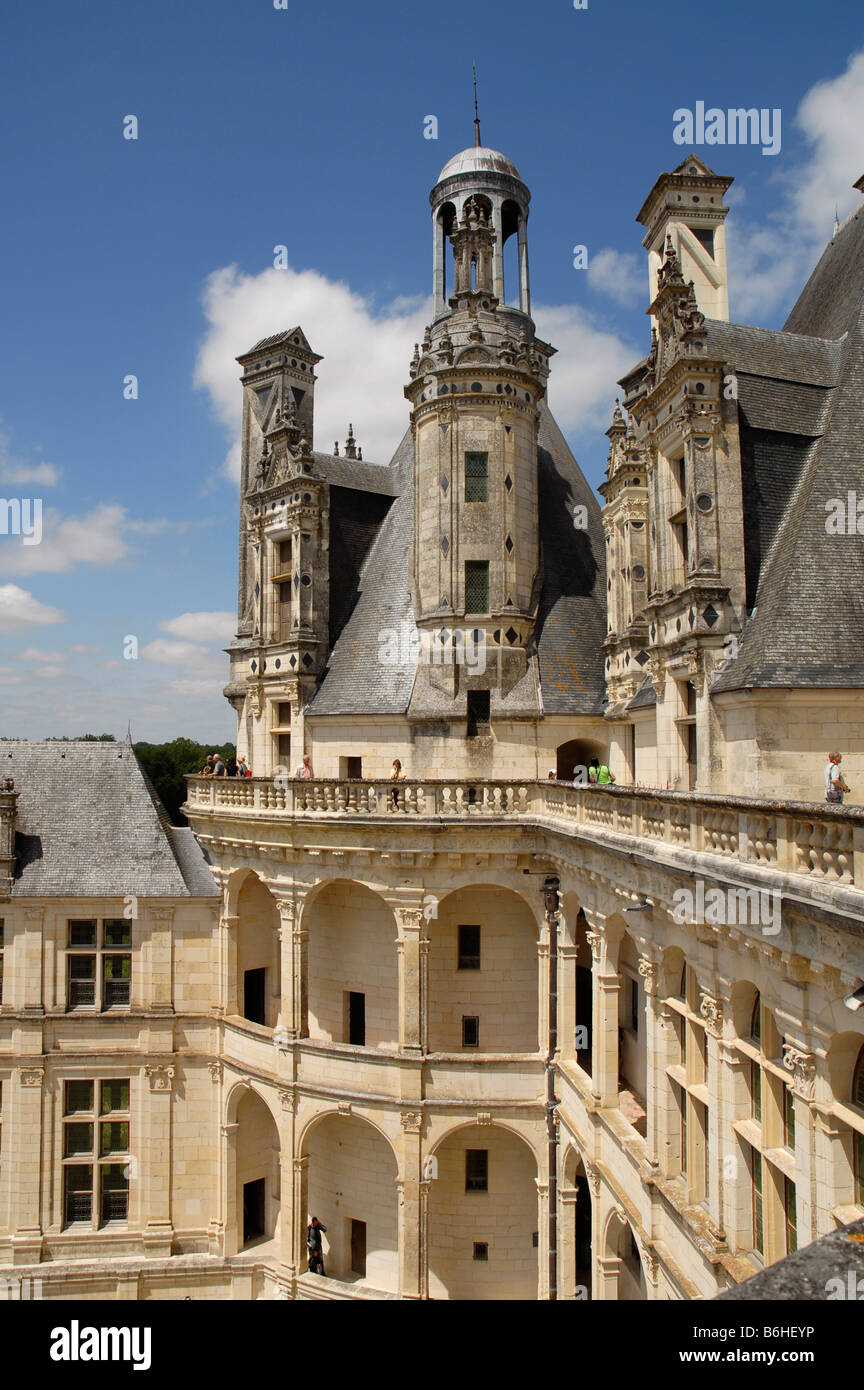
[
  {"x": 477, "y": 141},
  {"x": 836, "y": 222}
]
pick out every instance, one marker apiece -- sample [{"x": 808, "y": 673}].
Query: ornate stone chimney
[{"x": 8, "y": 818}]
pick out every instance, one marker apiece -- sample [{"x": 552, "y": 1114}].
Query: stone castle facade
[{"x": 507, "y": 1036}]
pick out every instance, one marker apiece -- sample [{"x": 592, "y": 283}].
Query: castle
[{"x": 465, "y": 1016}]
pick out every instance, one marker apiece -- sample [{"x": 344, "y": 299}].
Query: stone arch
[
  {"x": 511, "y": 218},
  {"x": 843, "y": 1055},
  {"x": 253, "y": 1169},
  {"x": 353, "y": 977},
  {"x": 501, "y": 989},
  {"x": 349, "y": 1178},
  {"x": 576, "y": 753},
  {"x": 576, "y": 1218},
  {"x": 624, "y": 1270},
  {"x": 445, "y": 221},
  {"x": 742, "y": 1001},
  {"x": 258, "y": 953},
  {"x": 467, "y": 1221}
]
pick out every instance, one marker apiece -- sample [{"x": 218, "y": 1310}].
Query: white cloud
[
  {"x": 196, "y": 688},
  {"x": 45, "y": 474},
  {"x": 201, "y": 627},
  {"x": 37, "y": 654},
  {"x": 367, "y": 352},
  {"x": 184, "y": 654},
  {"x": 622, "y": 275},
  {"x": 589, "y": 362},
  {"x": 771, "y": 261},
  {"x": 49, "y": 673},
  {"x": 96, "y": 538},
  {"x": 19, "y": 610},
  {"x": 10, "y": 676}
]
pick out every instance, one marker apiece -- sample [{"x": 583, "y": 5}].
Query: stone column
[
  {"x": 604, "y": 1072},
  {"x": 412, "y": 963},
  {"x": 412, "y": 1193},
  {"x": 233, "y": 1239},
  {"x": 543, "y": 988},
  {"x": 568, "y": 1197},
  {"x": 567, "y": 1001},
  {"x": 285, "y": 1021},
  {"x": 23, "y": 1155},
  {"x": 498, "y": 253},
  {"x": 159, "y": 998},
  {"x": 287, "y": 1192},
  {"x": 216, "y": 1223},
  {"x": 711, "y": 1007},
  {"x": 28, "y": 961},
  {"x": 542, "y": 1239},
  {"x": 811, "y": 1222},
  {"x": 300, "y": 1213},
  {"x": 228, "y": 1000},
  {"x": 438, "y": 252},
  {"x": 524, "y": 283},
  {"x": 155, "y": 1170},
  {"x": 656, "y": 1044}
]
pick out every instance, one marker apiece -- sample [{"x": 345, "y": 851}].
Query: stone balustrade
[{"x": 812, "y": 839}]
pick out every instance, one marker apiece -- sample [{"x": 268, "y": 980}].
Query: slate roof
[
  {"x": 571, "y": 623},
  {"x": 89, "y": 826},
  {"x": 355, "y": 473},
  {"x": 807, "y": 627}
]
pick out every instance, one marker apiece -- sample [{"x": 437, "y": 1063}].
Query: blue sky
[{"x": 303, "y": 127}]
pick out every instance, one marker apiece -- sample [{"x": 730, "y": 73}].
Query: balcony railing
[{"x": 817, "y": 841}]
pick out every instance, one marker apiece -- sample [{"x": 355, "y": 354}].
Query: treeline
[{"x": 167, "y": 764}]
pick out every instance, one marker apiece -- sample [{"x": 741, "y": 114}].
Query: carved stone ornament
[
  {"x": 592, "y": 1173},
  {"x": 411, "y": 1121},
  {"x": 215, "y": 1070},
  {"x": 160, "y": 1078},
  {"x": 32, "y": 1076},
  {"x": 711, "y": 1010},
  {"x": 648, "y": 971},
  {"x": 802, "y": 1065},
  {"x": 595, "y": 942}
]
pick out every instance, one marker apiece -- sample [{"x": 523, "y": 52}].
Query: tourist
[
  {"x": 397, "y": 775},
  {"x": 305, "y": 769},
  {"x": 315, "y": 1247},
  {"x": 231, "y": 766},
  {"x": 552, "y": 775},
  {"x": 600, "y": 773},
  {"x": 242, "y": 769},
  {"x": 218, "y": 766},
  {"x": 207, "y": 769},
  {"x": 834, "y": 784}
]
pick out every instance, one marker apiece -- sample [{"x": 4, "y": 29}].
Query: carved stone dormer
[{"x": 8, "y": 820}]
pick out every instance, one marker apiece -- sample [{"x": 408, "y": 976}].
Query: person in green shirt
[{"x": 599, "y": 772}]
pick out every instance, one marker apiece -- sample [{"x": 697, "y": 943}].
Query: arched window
[{"x": 756, "y": 1019}]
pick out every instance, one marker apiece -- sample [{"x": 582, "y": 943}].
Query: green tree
[{"x": 167, "y": 764}]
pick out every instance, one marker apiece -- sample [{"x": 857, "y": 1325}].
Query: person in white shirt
[
  {"x": 305, "y": 768},
  {"x": 834, "y": 784}
]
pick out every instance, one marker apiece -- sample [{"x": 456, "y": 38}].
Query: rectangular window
[
  {"x": 789, "y": 1118},
  {"x": 476, "y": 586},
  {"x": 790, "y": 1213},
  {"x": 469, "y": 948},
  {"x": 481, "y": 1250},
  {"x": 476, "y": 1170},
  {"x": 356, "y": 1019},
  {"x": 756, "y": 1092},
  {"x": 94, "y": 1181},
  {"x": 758, "y": 1213},
  {"x": 681, "y": 1102},
  {"x": 97, "y": 974},
  {"x": 1, "y": 958},
  {"x": 476, "y": 477},
  {"x": 354, "y": 768},
  {"x": 470, "y": 1031},
  {"x": 479, "y": 712},
  {"x": 634, "y": 1007},
  {"x": 255, "y": 995}
]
